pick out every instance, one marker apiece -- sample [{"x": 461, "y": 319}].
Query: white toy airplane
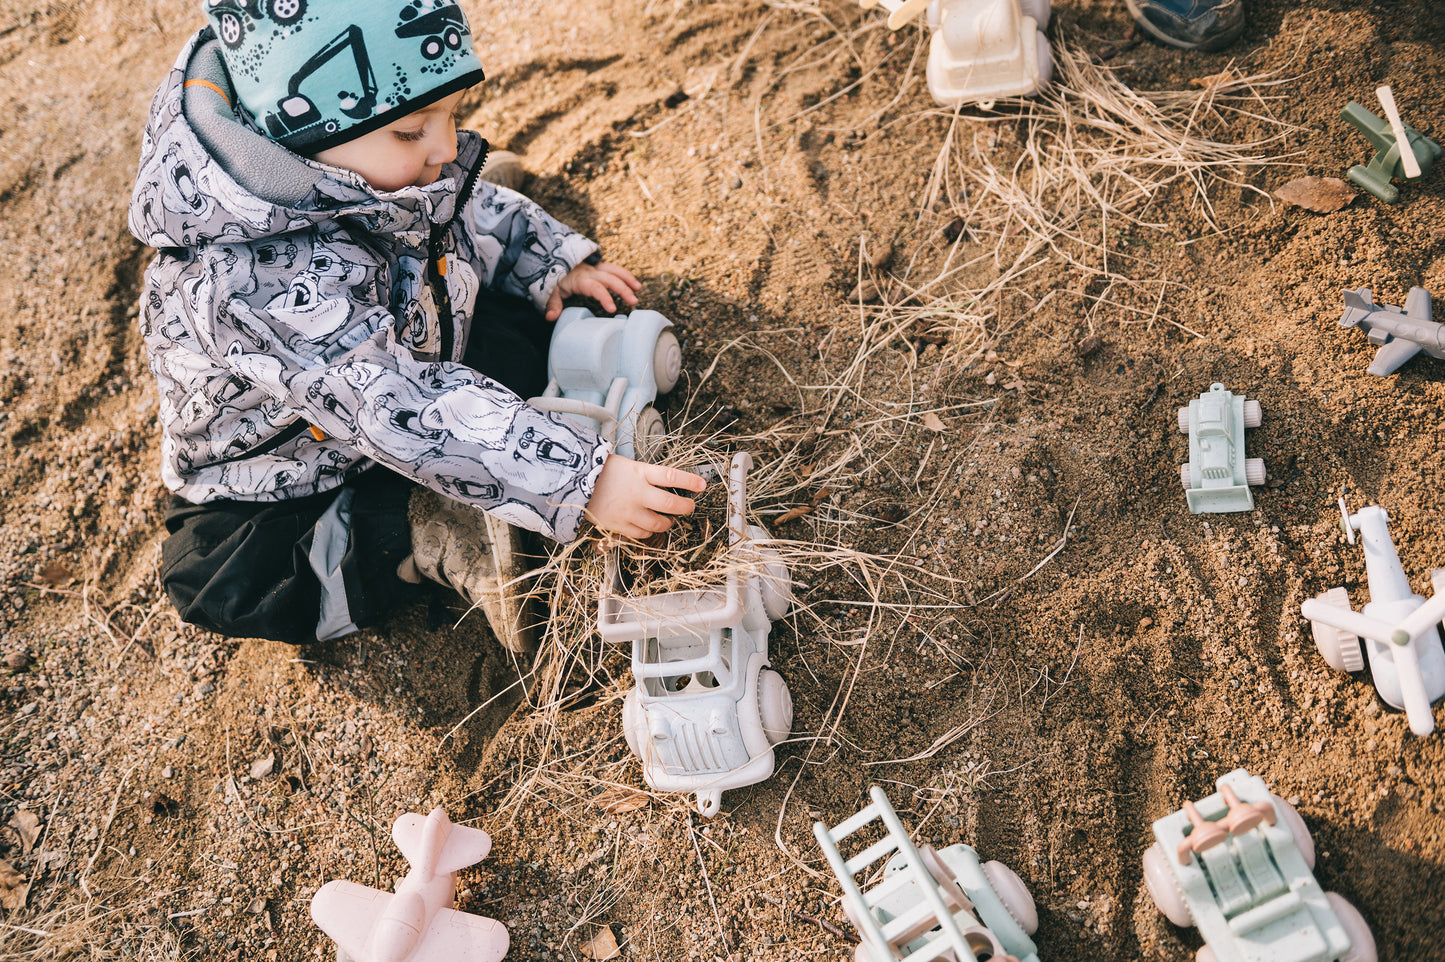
[
  {"x": 418, "y": 923},
  {"x": 1399, "y": 333},
  {"x": 1399, "y": 627}
]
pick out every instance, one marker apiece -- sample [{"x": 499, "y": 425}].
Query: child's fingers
[
  {"x": 621, "y": 273},
  {"x": 662, "y": 476}
]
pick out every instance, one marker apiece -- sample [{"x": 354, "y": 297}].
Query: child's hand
[
  {"x": 597, "y": 281},
  {"x": 629, "y": 497}
]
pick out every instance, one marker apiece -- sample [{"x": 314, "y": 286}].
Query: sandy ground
[{"x": 1064, "y": 653}]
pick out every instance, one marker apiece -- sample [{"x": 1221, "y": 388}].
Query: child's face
[{"x": 408, "y": 152}]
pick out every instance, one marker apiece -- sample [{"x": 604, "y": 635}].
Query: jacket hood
[{"x": 206, "y": 175}]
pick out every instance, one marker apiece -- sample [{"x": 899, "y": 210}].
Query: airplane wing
[
  {"x": 1392, "y": 355},
  {"x": 346, "y": 912},
  {"x": 1417, "y": 304},
  {"x": 1358, "y": 306},
  {"x": 462, "y": 937},
  {"x": 464, "y": 846}
]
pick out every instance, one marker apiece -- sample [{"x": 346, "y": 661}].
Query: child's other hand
[
  {"x": 597, "y": 281},
  {"x": 629, "y": 498}
]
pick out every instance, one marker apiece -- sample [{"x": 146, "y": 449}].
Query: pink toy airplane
[{"x": 418, "y": 923}]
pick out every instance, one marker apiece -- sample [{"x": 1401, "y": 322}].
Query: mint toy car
[
  {"x": 706, "y": 710},
  {"x": 1239, "y": 865},
  {"x": 927, "y": 903},
  {"x": 1218, "y": 476},
  {"x": 605, "y": 372}
]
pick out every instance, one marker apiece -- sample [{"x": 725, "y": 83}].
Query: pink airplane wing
[
  {"x": 346, "y": 912},
  {"x": 461, "y": 937}
]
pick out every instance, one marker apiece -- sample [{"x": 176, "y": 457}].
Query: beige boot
[
  {"x": 479, "y": 556},
  {"x": 503, "y": 168}
]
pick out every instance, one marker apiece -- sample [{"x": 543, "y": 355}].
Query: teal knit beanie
[{"x": 316, "y": 73}]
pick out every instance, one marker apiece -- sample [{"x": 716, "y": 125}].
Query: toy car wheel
[
  {"x": 1253, "y": 414},
  {"x": 634, "y": 722},
  {"x": 649, "y": 434},
  {"x": 1362, "y": 940},
  {"x": 1183, "y": 420},
  {"x": 1254, "y": 472},
  {"x": 775, "y": 706},
  {"x": 1164, "y": 887},
  {"x": 1297, "y": 830},
  {"x": 1014, "y": 894},
  {"x": 666, "y": 362},
  {"x": 1341, "y": 650},
  {"x": 1038, "y": 9},
  {"x": 1184, "y": 478},
  {"x": 775, "y": 583},
  {"x": 1046, "y": 61}
]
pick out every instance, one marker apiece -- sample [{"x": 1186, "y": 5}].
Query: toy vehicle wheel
[
  {"x": 1205, "y": 954},
  {"x": 1341, "y": 650},
  {"x": 1164, "y": 887},
  {"x": 1183, "y": 420},
  {"x": 634, "y": 722},
  {"x": 1362, "y": 940},
  {"x": 775, "y": 706},
  {"x": 776, "y": 584},
  {"x": 1253, "y": 414},
  {"x": 1038, "y": 9},
  {"x": 666, "y": 362},
  {"x": 1014, "y": 894},
  {"x": 1046, "y": 59},
  {"x": 1297, "y": 829},
  {"x": 1254, "y": 472},
  {"x": 1184, "y": 478},
  {"x": 649, "y": 434}
]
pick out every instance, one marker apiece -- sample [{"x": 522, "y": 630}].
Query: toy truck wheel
[
  {"x": 1184, "y": 478},
  {"x": 1014, "y": 894},
  {"x": 1038, "y": 9},
  {"x": 1341, "y": 650},
  {"x": 1164, "y": 887},
  {"x": 666, "y": 362},
  {"x": 1046, "y": 59},
  {"x": 648, "y": 438},
  {"x": 1254, "y": 472},
  {"x": 775, "y": 706},
  {"x": 1253, "y": 414},
  {"x": 1297, "y": 830},
  {"x": 1362, "y": 940},
  {"x": 634, "y": 722},
  {"x": 776, "y": 585},
  {"x": 1183, "y": 420}
]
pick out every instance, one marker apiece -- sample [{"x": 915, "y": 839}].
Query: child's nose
[{"x": 444, "y": 147}]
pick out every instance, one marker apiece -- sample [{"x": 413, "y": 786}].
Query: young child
[{"x": 344, "y": 316}]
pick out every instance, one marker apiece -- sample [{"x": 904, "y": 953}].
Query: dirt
[{"x": 1065, "y": 651}]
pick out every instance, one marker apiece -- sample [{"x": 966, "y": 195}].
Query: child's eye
[{"x": 409, "y": 136}]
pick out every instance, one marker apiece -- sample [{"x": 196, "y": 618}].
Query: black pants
[{"x": 248, "y": 568}]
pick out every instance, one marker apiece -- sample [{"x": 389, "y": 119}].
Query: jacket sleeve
[
  {"x": 519, "y": 248},
  {"x": 323, "y": 351}
]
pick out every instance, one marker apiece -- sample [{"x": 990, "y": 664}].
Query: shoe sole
[{"x": 1209, "y": 46}]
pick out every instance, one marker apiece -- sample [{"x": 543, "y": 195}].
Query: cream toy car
[
  {"x": 606, "y": 372},
  {"x": 1239, "y": 865},
  {"x": 706, "y": 711},
  {"x": 927, "y": 904}
]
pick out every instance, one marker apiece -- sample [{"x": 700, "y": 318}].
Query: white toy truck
[
  {"x": 927, "y": 904},
  {"x": 606, "y": 372},
  {"x": 706, "y": 711}
]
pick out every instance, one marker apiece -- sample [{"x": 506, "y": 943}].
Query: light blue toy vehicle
[
  {"x": 605, "y": 372},
  {"x": 928, "y": 904},
  {"x": 1218, "y": 476},
  {"x": 706, "y": 710},
  {"x": 1239, "y": 865}
]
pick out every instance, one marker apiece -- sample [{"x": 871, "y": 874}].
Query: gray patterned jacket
[{"x": 289, "y": 295}]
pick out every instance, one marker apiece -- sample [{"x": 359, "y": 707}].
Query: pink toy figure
[
  {"x": 418, "y": 923},
  {"x": 1242, "y": 817},
  {"x": 1205, "y": 836}
]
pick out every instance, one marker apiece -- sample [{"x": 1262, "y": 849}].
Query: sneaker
[
  {"x": 503, "y": 168},
  {"x": 1191, "y": 24},
  {"x": 478, "y": 556}
]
